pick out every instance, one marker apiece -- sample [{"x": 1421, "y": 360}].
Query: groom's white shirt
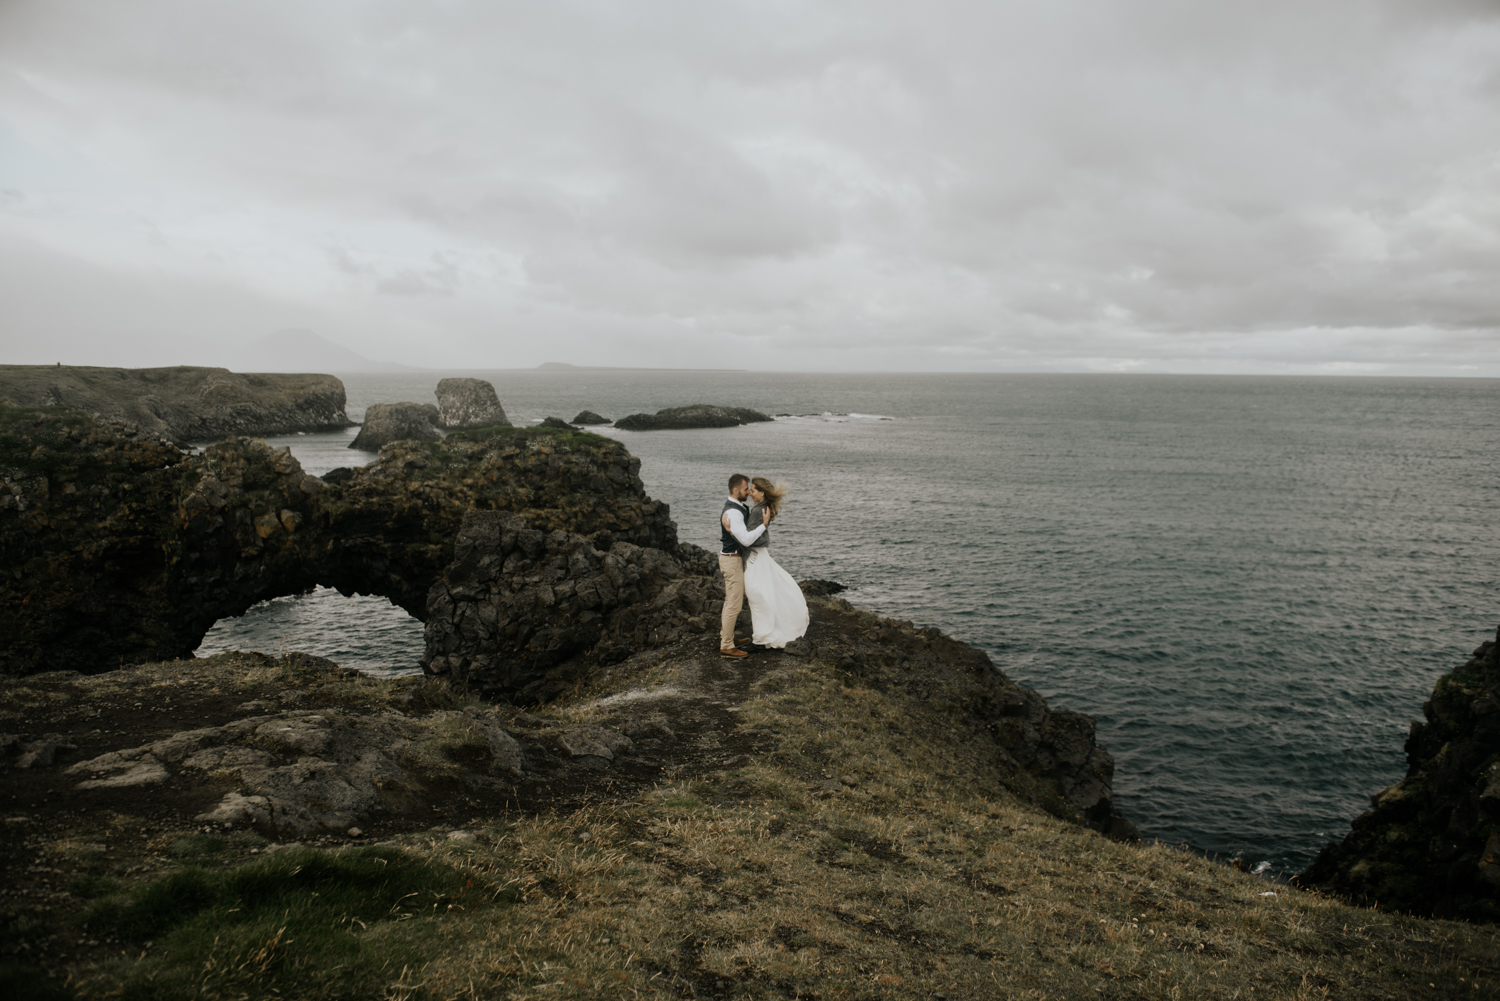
[{"x": 744, "y": 536}]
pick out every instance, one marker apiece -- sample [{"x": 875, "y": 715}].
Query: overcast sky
[{"x": 1080, "y": 185}]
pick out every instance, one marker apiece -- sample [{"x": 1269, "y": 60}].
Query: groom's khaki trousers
[{"x": 733, "y": 569}]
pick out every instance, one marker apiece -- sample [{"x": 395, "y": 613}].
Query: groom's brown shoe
[{"x": 733, "y": 653}]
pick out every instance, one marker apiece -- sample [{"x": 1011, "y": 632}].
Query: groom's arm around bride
[{"x": 734, "y": 538}]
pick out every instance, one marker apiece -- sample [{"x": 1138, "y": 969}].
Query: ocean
[{"x": 1250, "y": 582}]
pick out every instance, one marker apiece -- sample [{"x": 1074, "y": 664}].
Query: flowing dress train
[{"x": 778, "y": 611}]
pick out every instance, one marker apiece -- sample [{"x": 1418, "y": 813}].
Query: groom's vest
[{"x": 728, "y": 544}]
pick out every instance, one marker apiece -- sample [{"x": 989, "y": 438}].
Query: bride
[{"x": 778, "y": 612}]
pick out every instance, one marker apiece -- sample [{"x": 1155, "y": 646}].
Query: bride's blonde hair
[{"x": 775, "y": 493}]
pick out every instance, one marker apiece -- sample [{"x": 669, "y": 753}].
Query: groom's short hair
[{"x": 737, "y": 479}]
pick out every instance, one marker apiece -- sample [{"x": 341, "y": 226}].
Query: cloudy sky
[{"x": 1080, "y": 185}]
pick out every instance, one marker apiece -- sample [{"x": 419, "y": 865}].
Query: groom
[{"x": 734, "y": 539}]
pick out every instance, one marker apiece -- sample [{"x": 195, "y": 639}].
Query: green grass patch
[{"x": 308, "y": 917}]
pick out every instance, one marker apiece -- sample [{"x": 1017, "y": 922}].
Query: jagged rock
[
  {"x": 697, "y": 415},
  {"x": 517, "y": 601},
  {"x": 588, "y": 417},
  {"x": 557, "y": 422},
  {"x": 820, "y": 588},
  {"x": 1427, "y": 845},
  {"x": 388, "y": 422},
  {"x": 469, "y": 403},
  {"x": 121, "y": 549},
  {"x": 183, "y": 403}
]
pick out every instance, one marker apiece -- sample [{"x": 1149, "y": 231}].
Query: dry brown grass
[
  {"x": 917, "y": 882},
  {"x": 919, "y": 877}
]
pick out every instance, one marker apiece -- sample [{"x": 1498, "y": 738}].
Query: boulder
[
  {"x": 469, "y": 403},
  {"x": 587, "y": 417},
  {"x": 388, "y": 422},
  {"x": 185, "y": 402},
  {"x": 697, "y": 415},
  {"x": 558, "y": 423}
]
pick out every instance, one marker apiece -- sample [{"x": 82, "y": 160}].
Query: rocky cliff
[
  {"x": 183, "y": 403},
  {"x": 1431, "y": 843},
  {"x": 522, "y": 615},
  {"x": 121, "y": 549}
]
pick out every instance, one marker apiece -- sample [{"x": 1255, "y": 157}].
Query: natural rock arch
[{"x": 122, "y": 549}]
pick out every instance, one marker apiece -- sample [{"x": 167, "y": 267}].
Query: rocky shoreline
[
  {"x": 574, "y": 707},
  {"x": 1430, "y": 844},
  {"x": 533, "y": 556}
]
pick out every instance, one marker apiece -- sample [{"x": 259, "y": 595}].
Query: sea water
[{"x": 1250, "y": 583}]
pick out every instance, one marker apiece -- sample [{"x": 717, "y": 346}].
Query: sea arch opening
[{"x": 367, "y": 632}]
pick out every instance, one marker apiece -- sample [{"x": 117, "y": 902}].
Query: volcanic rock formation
[
  {"x": 697, "y": 415},
  {"x": 119, "y": 548},
  {"x": 1431, "y": 843},
  {"x": 469, "y": 403},
  {"x": 588, "y": 417},
  {"x": 388, "y": 422},
  {"x": 534, "y": 556},
  {"x": 183, "y": 403},
  {"x": 521, "y": 614}
]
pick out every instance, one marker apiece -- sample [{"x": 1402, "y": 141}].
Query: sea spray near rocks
[{"x": 697, "y": 415}]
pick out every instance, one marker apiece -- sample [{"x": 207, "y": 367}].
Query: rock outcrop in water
[
  {"x": 697, "y": 415},
  {"x": 121, "y": 549},
  {"x": 588, "y": 417},
  {"x": 388, "y": 422},
  {"x": 464, "y": 404},
  {"x": 1431, "y": 843},
  {"x": 183, "y": 403}
]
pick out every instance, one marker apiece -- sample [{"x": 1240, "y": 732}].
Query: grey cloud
[{"x": 1275, "y": 183}]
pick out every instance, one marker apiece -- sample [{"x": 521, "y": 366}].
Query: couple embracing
[{"x": 778, "y": 612}]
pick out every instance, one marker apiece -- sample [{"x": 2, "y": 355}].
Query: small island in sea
[{"x": 578, "y": 798}]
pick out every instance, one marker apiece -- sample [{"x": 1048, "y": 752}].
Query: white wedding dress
[{"x": 778, "y": 612}]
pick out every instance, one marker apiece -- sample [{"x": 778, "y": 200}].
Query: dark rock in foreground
[
  {"x": 388, "y": 422},
  {"x": 588, "y": 417},
  {"x": 1431, "y": 843},
  {"x": 183, "y": 403},
  {"x": 697, "y": 415},
  {"x": 469, "y": 403}
]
